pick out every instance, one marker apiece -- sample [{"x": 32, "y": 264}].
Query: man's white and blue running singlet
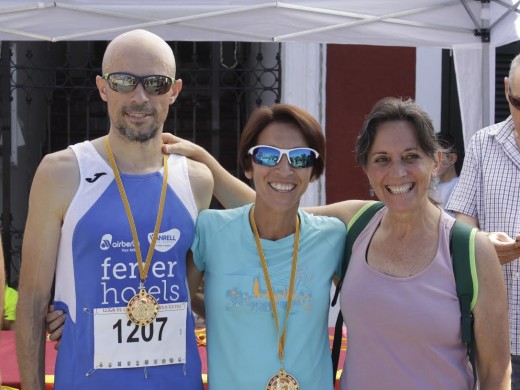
[{"x": 97, "y": 274}]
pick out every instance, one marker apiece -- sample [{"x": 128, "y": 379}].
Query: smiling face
[
  {"x": 398, "y": 169},
  {"x": 281, "y": 187}
]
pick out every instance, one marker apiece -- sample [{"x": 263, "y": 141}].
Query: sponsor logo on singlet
[
  {"x": 165, "y": 240},
  {"x": 108, "y": 242},
  {"x": 95, "y": 177}
]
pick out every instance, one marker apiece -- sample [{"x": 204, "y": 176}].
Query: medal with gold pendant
[
  {"x": 281, "y": 380},
  {"x": 143, "y": 307}
]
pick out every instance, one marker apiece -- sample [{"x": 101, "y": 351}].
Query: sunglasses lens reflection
[
  {"x": 124, "y": 83},
  {"x": 157, "y": 85},
  {"x": 298, "y": 158},
  {"x": 267, "y": 157},
  {"x": 302, "y": 158}
]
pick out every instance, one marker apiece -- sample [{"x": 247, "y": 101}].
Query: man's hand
[
  {"x": 54, "y": 321},
  {"x": 507, "y": 249}
]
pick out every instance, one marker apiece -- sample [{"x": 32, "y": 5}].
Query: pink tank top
[{"x": 403, "y": 333}]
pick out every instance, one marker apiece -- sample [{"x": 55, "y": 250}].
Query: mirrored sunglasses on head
[
  {"x": 270, "y": 156},
  {"x": 126, "y": 82}
]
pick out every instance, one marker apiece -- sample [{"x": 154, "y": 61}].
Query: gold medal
[
  {"x": 142, "y": 308},
  {"x": 282, "y": 381}
]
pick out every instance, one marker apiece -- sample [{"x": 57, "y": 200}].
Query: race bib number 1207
[{"x": 119, "y": 343}]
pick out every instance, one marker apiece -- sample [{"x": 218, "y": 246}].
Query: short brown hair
[{"x": 282, "y": 113}]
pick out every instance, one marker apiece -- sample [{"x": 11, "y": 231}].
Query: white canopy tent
[{"x": 472, "y": 28}]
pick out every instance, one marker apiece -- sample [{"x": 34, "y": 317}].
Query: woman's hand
[
  {"x": 229, "y": 190},
  {"x": 173, "y": 144},
  {"x": 55, "y": 319}
]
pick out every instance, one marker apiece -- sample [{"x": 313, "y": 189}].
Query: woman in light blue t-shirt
[{"x": 268, "y": 266}]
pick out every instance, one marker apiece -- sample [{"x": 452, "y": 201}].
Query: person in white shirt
[{"x": 487, "y": 197}]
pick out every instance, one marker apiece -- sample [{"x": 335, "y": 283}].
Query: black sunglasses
[
  {"x": 127, "y": 82},
  {"x": 515, "y": 102}
]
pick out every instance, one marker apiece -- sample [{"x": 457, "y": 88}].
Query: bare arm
[
  {"x": 201, "y": 184},
  {"x": 491, "y": 320},
  {"x": 344, "y": 210},
  {"x": 468, "y": 220},
  {"x": 507, "y": 249},
  {"x": 229, "y": 190},
  {"x": 202, "y": 187},
  {"x": 194, "y": 276},
  {"x": 54, "y": 184}
]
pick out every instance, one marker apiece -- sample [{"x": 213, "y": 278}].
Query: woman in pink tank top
[{"x": 399, "y": 297}]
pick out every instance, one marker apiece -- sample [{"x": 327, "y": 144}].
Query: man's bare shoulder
[
  {"x": 57, "y": 177},
  {"x": 201, "y": 181},
  {"x": 196, "y": 169},
  {"x": 61, "y": 156},
  {"x": 59, "y": 166}
]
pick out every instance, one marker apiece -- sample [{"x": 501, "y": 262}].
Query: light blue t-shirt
[{"x": 241, "y": 336}]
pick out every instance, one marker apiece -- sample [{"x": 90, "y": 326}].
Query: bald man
[{"x": 112, "y": 220}]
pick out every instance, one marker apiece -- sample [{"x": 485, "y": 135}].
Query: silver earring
[
  {"x": 433, "y": 183},
  {"x": 371, "y": 192}
]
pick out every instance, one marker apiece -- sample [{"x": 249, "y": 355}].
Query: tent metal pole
[
  {"x": 226, "y": 31},
  {"x": 486, "y": 69},
  {"x": 157, "y": 22},
  {"x": 470, "y": 13},
  {"x": 26, "y": 34},
  {"x": 358, "y": 15},
  {"x": 390, "y": 18},
  {"x": 510, "y": 9},
  {"x": 35, "y": 7},
  {"x": 486, "y": 120}
]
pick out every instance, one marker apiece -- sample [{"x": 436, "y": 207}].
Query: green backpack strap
[
  {"x": 355, "y": 227},
  {"x": 462, "y": 248}
]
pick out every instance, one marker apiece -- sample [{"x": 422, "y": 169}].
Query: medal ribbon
[
  {"x": 143, "y": 270},
  {"x": 281, "y": 339}
]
